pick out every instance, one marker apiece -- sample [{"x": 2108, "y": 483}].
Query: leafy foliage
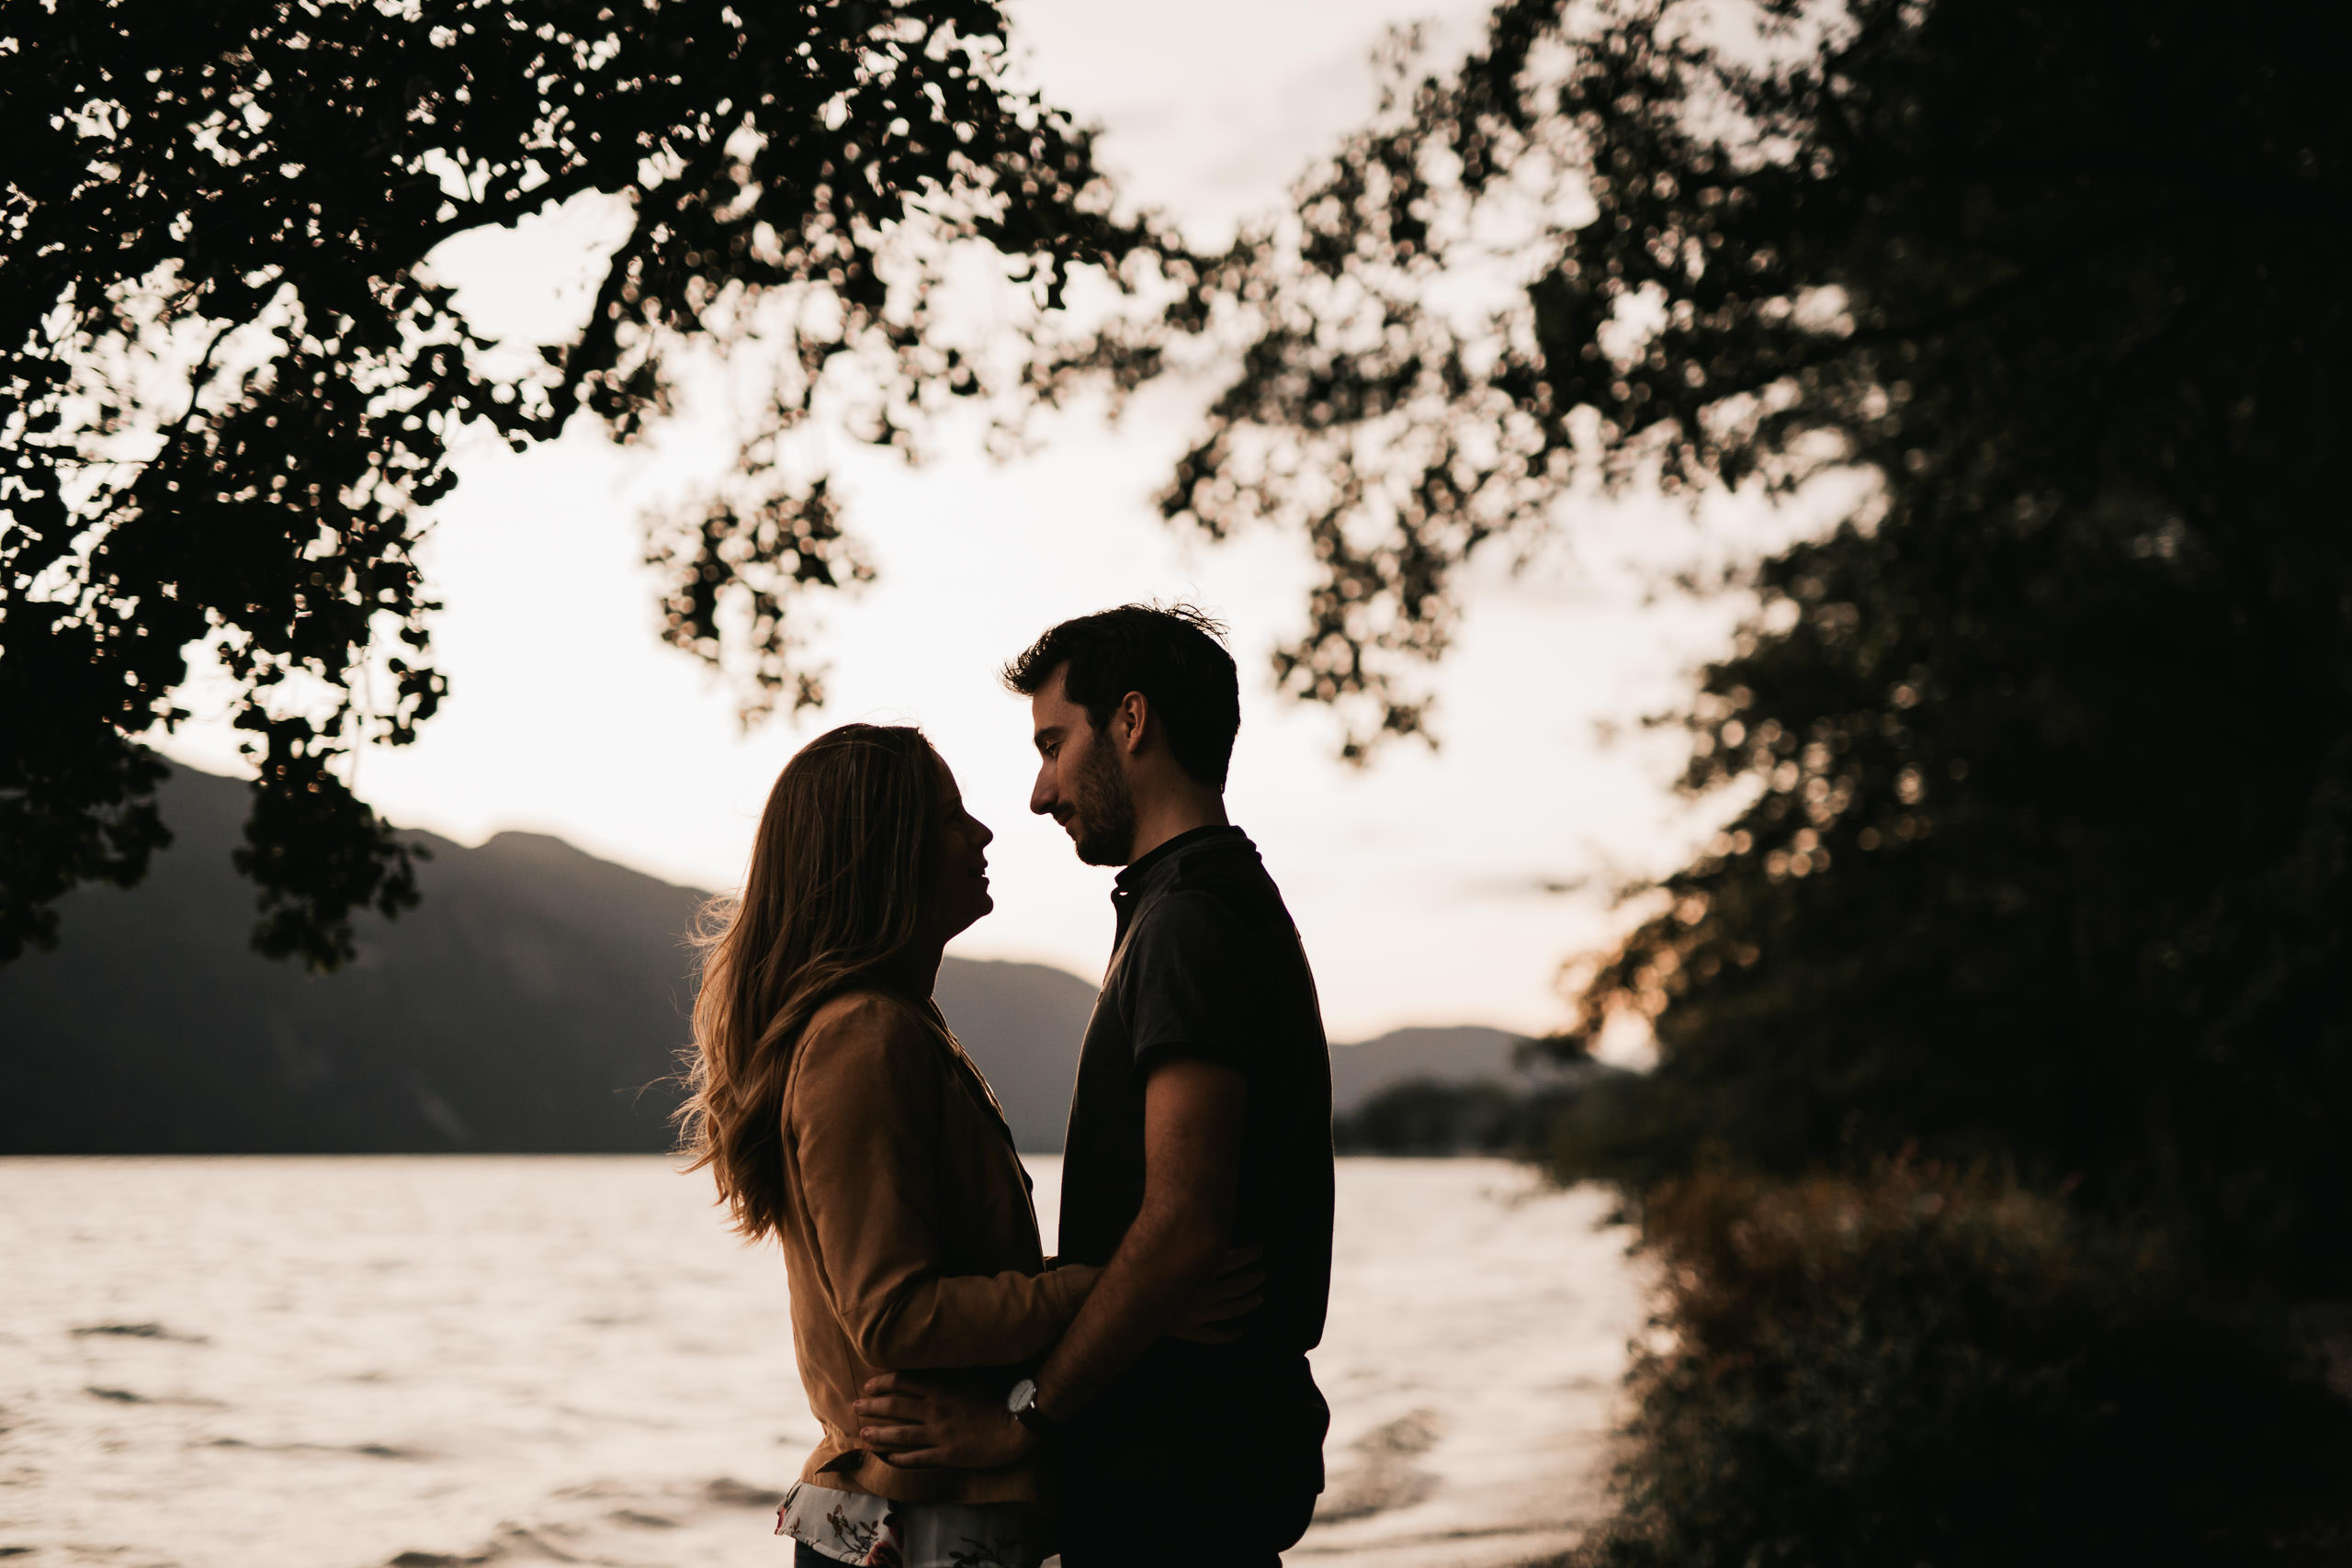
[
  {"x": 2038, "y": 764},
  {"x": 2040, "y": 761},
  {"x": 227, "y": 384},
  {"x": 1924, "y": 1366}
]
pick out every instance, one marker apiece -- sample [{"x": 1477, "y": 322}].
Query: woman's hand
[{"x": 1213, "y": 1317}]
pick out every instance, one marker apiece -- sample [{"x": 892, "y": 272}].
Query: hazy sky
[{"x": 1419, "y": 884}]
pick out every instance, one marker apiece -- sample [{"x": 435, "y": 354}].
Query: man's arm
[
  {"x": 1192, "y": 1123},
  {"x": 1192, "y": 1163}
]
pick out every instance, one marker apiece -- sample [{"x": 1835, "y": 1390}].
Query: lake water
[{"x": 356, "y": 1362}]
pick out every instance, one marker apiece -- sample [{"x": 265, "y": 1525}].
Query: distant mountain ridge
[
  {"x": 534, "y": 1002},
  {"x": 1467, "y": 1053}
]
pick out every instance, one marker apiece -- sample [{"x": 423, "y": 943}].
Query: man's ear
[{"x": 1130, "y": 721}]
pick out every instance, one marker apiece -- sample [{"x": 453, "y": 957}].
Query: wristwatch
[{"x": 1023, "y": 1403}]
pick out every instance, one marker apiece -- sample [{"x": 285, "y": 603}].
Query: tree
[
  {"x": 228, "y": 385},
  {"x": 2041, "y": 761}
]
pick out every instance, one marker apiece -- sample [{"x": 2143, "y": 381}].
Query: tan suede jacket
[{"x": 908, "y": 1237}]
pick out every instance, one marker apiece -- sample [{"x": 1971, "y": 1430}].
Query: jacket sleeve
[{"x": 863, "y": 1119}]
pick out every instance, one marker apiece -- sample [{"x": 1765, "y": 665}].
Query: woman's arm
[{"x": 864, "y": 1118}]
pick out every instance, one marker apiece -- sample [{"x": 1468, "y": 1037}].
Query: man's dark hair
[{"x": 1174, "y": 656}]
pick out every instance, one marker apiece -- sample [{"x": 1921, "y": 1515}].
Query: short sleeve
[{"x": 1189, "y": 985}]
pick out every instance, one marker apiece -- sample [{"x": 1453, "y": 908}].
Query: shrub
[{"x": 1931, "y": 1368}]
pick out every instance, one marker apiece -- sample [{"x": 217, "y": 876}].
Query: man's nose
[{"x": 1041, "y": 793}]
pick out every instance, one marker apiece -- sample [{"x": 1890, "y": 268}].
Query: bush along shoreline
[{"x": 1924, "y": 1365}]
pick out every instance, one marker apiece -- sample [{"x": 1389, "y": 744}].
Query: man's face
[{"x": 1079, "y": 783}]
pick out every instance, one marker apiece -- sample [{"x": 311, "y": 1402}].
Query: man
[{"x": 1202, "y": 1122}]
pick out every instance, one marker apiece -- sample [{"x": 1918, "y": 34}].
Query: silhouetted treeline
[
  {"x": 2004, "y": 1045},
  {"x": 1427, "y": 1116},
  {"x": 2050, "y": 857}
]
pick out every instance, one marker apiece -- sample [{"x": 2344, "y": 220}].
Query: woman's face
[{"x": 959, "y": 842}]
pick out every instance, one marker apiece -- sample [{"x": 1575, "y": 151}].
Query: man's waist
[
  {"x": 1177, "y": 1419},
  {"x": 1179, "y": 1384}
]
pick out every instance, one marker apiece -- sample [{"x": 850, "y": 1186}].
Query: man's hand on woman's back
[{"x": 919, "y": 1423}]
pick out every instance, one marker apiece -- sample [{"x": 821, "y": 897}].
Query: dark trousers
[
  {"x": 1157, "y": 1475},
  {"x": 1128, "y": 1530},
  {"x": 1153, "y": 1506}
]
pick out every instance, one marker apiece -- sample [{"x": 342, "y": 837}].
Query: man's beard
[{"x": 1104, "y": 810}]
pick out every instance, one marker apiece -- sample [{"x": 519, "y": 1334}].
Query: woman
[{"x": 840, "y": 1115}]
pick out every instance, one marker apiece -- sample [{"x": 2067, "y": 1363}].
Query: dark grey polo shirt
[{"x": 1207, "y": 963}]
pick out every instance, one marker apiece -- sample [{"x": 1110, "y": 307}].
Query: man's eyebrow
[{"x": 1050, "y": 732}]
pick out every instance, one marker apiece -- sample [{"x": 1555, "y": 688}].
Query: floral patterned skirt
[{"x": 857, "y": 1526}]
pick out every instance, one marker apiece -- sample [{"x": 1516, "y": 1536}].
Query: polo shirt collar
[{"x": 1132, "y": 877}]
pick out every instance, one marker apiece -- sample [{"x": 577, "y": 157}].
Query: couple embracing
[{"x": 1143, "y": 1398}]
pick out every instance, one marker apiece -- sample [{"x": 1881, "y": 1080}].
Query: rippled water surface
[{"x": 356, "y": 1362}]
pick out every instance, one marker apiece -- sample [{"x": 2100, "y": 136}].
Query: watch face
[{"x": 1023, "y": 1395}]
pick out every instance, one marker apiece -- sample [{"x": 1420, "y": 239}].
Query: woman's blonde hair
[{"x": 839, "y": 874}]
